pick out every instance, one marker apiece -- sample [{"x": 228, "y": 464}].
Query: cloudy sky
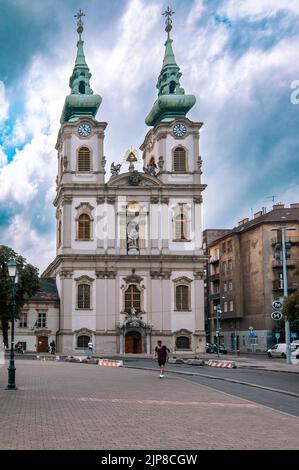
[{"x": 239, "y": 57}]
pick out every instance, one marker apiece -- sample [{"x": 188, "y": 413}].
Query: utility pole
[{"x": 218, "y": 315}]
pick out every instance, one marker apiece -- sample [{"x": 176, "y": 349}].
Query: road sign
[
  {"x": 276, "y": 315},
  {"x": 277, "y": 335},
  {"x": 251, "y": 334},
  {"x": 276, "y": 304}
]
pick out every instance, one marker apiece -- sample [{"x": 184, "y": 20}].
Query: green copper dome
[
  {"x": 81, "y": 102},
  {"x": 172, "y": 101}
]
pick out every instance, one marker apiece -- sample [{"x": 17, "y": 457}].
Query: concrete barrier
[
  {"x": 226, "y": 364},
  {"x": 110, "y": 363}
]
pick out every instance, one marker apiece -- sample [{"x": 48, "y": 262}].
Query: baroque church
[{"x": 129, "y": 266}]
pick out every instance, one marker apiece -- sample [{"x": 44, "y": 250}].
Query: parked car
[
  {"x": 212, "y": 348},
  {"x": 279, "y": 350}
]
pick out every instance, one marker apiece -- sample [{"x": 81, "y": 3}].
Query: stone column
[
  {"x": 154, "y": 225},
  {"x": 101, "y": 224},
  {"x": 66, "y": 300},
  {"x": 121, "y": 342},
  {"x": 166, "y": 301},
  {"x": 148, "y": 343},
  {"x": 67, "y": 223}
]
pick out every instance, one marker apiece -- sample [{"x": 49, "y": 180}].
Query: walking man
[{"x": 161, "y": 352}]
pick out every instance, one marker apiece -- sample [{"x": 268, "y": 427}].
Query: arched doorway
[{"x": 133, "y": 342}]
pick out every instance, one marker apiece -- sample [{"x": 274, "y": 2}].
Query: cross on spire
[
  {"x": 168, "y": 20},
  {"x": 79, "y": 22}
]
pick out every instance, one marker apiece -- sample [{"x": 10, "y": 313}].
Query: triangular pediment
[{"x": 127, "y": 179}]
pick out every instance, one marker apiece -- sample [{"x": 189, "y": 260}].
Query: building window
[
  {"x": 183, "y": 342},
  {"x": 225, "y": 306},
  {"x": 231, "y": 305},
  {"x": 23, "y": 320},
  {"x": 223, "y": 247},
  {"x": 230, "y": 285},
  {"x": 179, "y": 160},
  {"x": 230, "y": 265},
  {"x": 82, "y": 341},
  {"x": 84, "y": 224},
  {"x": 181, "y": 223},
  {"x": 182, "y": 297},
  {"x": 41, "y": 320},
  {"x": 84, "y": 159},
  {"x": 83, "y": 296},
  {"x": 229, "y": 245},
  {"x": 225, "y": 286},
  {"x": 132, "y": 298},
  {"x": 224, "y": 266}
]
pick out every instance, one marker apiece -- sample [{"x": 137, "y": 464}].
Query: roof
[
  {"x": 279, "y": 215},
  {"x": 47, "y": 290}
]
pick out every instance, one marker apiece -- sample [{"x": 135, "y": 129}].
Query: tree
[
  {"x": 28, "y": 283},
  {"x": 291, "y": 305}
]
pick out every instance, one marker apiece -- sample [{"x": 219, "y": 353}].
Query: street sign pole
[{"x": 285, "y": 293}]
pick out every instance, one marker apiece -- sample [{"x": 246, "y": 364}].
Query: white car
[{"x": 279, "y": 350}]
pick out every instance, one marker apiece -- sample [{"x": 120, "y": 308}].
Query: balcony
[
  {"x": 214, "y": 277},
  {"x": 214, "y": 296},
  {"x": 278, "y": 285},
  {"x": 292, "y": 240},
  {"x": 276, "y": 263}
]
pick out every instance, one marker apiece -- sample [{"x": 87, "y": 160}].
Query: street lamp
[
  {"x": 12, "y": 272},
  {"x": 285, "y": 289},
  {"x": 218, "y": 316}
]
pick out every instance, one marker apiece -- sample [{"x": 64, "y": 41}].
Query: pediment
[{"x": 144, "y": 180}]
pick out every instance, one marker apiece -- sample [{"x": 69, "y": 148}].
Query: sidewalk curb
[{"x": 224, "y": 379}]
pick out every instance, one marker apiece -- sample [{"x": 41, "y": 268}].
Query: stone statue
[
  {"x": 134, "y": 179},
  {"x": 115, "y": 169},
  {"x": 133, "y": 235},
  {"x": 151, "y": 168}
]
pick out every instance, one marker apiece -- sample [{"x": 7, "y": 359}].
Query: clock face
[
  {"x": 179, "y": 130},
  {"x": 84, "y": 129}
]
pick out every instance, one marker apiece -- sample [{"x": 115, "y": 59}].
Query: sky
[{"x": 238, "y": 57}]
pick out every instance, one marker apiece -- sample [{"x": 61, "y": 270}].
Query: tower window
[
  {"x": 84, "y": 159},
  {"x": 181, "y": 223},
  {"x": 179, "y": 160},
  {"x": 84, "y": 227},
  {"x": 83, "y": 296},
  {"x": 172, "y": 87},
  {"x": 82, "y": 88}
]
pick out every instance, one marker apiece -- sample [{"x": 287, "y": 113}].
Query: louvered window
[
  {"x": 84, "y": 227},
  {"x": 182, "y": 298},
  {"x": 83, "y": 296},
  {"x": 179, "y": 160},
  {"x": 84, "y": 159}
]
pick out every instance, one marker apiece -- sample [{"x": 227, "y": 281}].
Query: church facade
[{"x": 129, "y": 266}]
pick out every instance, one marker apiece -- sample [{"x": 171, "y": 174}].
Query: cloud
[{"x": 254, "y": 10}]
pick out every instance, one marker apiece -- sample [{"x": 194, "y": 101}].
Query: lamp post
[
  {"x": 285, "y": 289},
  {"x": 12, "y": 271},
  {"x": 218, "y": 315}
]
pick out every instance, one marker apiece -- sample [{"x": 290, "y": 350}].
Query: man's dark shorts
[{"x": 161, "y": 362}]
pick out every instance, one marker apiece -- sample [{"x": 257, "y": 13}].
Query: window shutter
[
  {"x": 179, "y": 160},
  {"x": 84, "y": 159}
]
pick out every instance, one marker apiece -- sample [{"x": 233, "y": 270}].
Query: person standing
[{"x": 161, "y": 353}]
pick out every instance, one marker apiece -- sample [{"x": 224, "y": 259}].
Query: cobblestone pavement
[{"x": 79, "y": 406}]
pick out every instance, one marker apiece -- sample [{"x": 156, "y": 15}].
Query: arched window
[
  {"x": 84, "y": 227},
  {"x": 84, "y": 159},
  {"x": 179, "y": 160},
  {"x": 182, "y": 297},
  {"x": 82, "y": 88},
  {"x": 132, "y": 298},
  {"x": 172, "y": 87},
  {"x": 83, "y": 296},
  {"x": 82, "y": 341},
  {"x": 183, "y": 342},
  {"x": 181, "y": 223}
]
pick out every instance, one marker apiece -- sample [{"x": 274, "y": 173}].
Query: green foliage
[
  {"x": 291, "y": 307},
  {"x": 28, "y": 283}
]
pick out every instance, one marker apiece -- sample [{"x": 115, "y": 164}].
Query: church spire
[
  {"x": 172, "y": 101},
  {"x": 82, "y": 102}
]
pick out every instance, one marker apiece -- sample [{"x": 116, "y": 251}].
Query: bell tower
[
  {"x": 81, "y": 161},
  {"x": 173, "y": 142}
]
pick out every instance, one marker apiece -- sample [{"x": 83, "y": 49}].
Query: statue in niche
[
  {"x": 132, "y": 235},
  {"x": 115, "y": 169}
]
